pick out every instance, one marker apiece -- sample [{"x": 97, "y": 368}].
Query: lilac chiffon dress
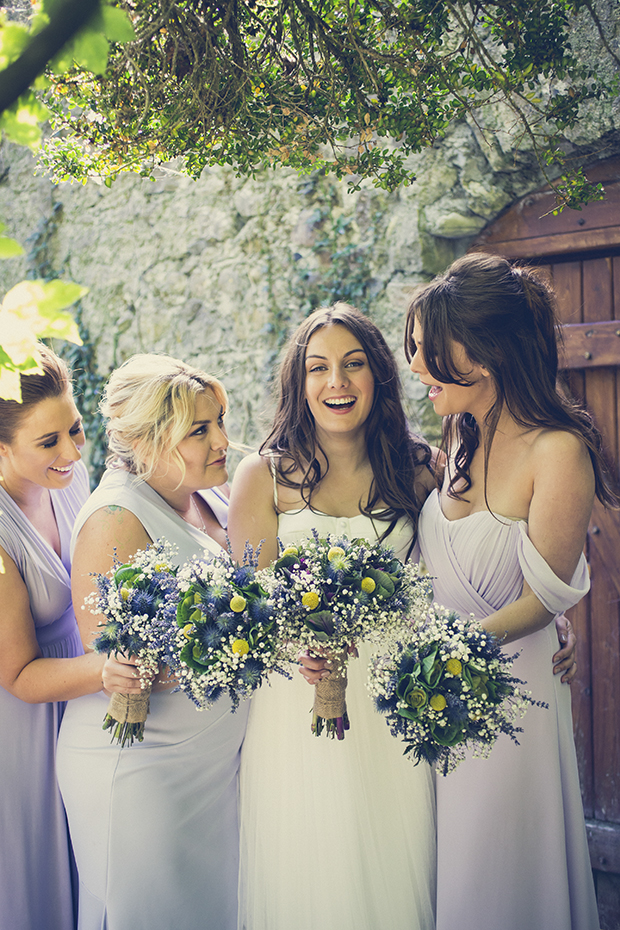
[
  {"x": 36, "y": 887},
  {"x": 154, "y": 825},
  {"x": 511, "y": 841}
]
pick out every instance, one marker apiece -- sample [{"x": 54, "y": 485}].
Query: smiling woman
[
  {"x": 333, "y": 835},
  {"x": 154, "y": 827},
  {"x": 43, "y": 484}
]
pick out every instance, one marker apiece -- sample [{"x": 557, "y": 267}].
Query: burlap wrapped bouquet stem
[
  {"x": 330, "y": 706},
  {"x": 126, "y": 716}
]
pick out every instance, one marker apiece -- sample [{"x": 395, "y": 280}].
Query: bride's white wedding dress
[{"x": 335, "y": 835}]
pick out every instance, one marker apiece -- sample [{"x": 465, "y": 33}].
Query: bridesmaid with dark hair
[
  {"x": 43, "y": 484},
  {"x": 503, "y": 539}
]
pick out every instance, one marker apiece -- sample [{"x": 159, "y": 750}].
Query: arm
[
  {"x": 560, "y": 509},
  {"x": 24, "y": 672},
  {"x": 252, "y": 517},
  {"x": 108, "y": 532}
]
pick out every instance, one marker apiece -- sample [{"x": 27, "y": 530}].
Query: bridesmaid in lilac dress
[
  {"x": 154, "y": 826},
  {"x": 43, "y": 484},
  {"x": 503, "y": 540}
]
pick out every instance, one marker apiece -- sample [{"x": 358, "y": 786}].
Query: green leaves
[
  {"x": 64, "y": 35},
  {"x": 31, "y": 311}
]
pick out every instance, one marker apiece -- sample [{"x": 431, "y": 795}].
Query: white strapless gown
[{"x": 334, "y": 835}]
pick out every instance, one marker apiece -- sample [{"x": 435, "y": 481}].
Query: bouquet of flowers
[
  {"x": 227, "y": 636},
  {"x": 139, "y": 602},
  {"x": 334, "y": 592},
  {"x": 446, "y": 686}
]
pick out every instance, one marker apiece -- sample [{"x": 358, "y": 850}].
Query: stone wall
[{"x": 220, "y": 270}]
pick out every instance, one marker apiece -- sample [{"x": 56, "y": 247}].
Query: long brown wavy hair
[
  {"x": 395, "y": 453},
  {"x": 503, "y": 314}
]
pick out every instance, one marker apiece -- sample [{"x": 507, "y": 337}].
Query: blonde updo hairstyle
[{"x": 150, "y": 403}]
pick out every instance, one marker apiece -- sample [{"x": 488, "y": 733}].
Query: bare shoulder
[
  {"x": 112, "y": 528},
  {"x": 562, "y": 469},
  {"x": 559, "y": 449},
  {"x": 254, "y": 468}
]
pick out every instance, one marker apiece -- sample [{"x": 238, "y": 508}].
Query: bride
[{"x": 334, "y": 835}]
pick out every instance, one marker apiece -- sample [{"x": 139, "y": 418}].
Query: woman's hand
[
  {"x": 312, "y": 668},
  {"x": 564, "y": 660},
  {"x": 120, "y": 675},
  {"x": 315, "y": 668}
]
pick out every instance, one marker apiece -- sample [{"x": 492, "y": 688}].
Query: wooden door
[{"x": 582, "y": 252}]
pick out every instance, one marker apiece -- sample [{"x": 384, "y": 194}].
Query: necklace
[{"x": 202, "y": 526}]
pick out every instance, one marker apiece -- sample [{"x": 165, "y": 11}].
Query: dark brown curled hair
[
  {"x": 395, "y": 453},
  {"x": 503, "y": 314},
  {"x": 53, "y": 380}
]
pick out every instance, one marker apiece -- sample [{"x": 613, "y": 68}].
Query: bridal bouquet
[
  {"x": 227, "y": 636},
  {"x": 334, "y": 592},
  {"x": 139, "y": 602},
  {"x": 446, "y": 687}
]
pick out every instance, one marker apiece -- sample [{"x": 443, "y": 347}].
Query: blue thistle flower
[
  {"x": 141, "y": 602},
  {"x": 209, "y": 637},
  {"x": 227, "y": 622},
  {"x": 260, "y": 610},
  {"x": 251, "y": 672},
  {"x": 455, "y": 708},
  {"x": 243, "y": 575},
  {"x": 107, "y": 641}
]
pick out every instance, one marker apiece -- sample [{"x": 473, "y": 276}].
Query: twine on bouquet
[
  {"x": 330, "y": 705},
  {"x": 126, "y": 716}
]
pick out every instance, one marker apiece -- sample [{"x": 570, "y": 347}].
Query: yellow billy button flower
[
  {"x": 335, "y": 552},
  {"x": 237, "y": 603},
  {"x": 160, "y": 566},
  {"x": 438, "y": 702},
  {"x": 368, "y": 585},
  {"x": 240, "y": 647},
  {"x": 188, "y": 629},
  {"x": 454, "y": 667},
  {"x": 124, "y": 592},
  {"x": 310, "y": 600},
  {"x": 290, "y": 550}
]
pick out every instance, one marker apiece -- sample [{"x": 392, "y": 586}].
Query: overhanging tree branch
[{"x": 67, "y": 20}]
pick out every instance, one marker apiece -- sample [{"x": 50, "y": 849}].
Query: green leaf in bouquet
[
  {"x": 431, "y": 668},
  {"x": 191, "y": 655},
  {"x": 449, "y": 735},
  {"x": 185, "y": 608},
  {"x": 286, "y": 562},
  {"x": 321, "y": 624},
  {"x": 385, "y": 586},
  {"x": 124, "y": 574}
]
